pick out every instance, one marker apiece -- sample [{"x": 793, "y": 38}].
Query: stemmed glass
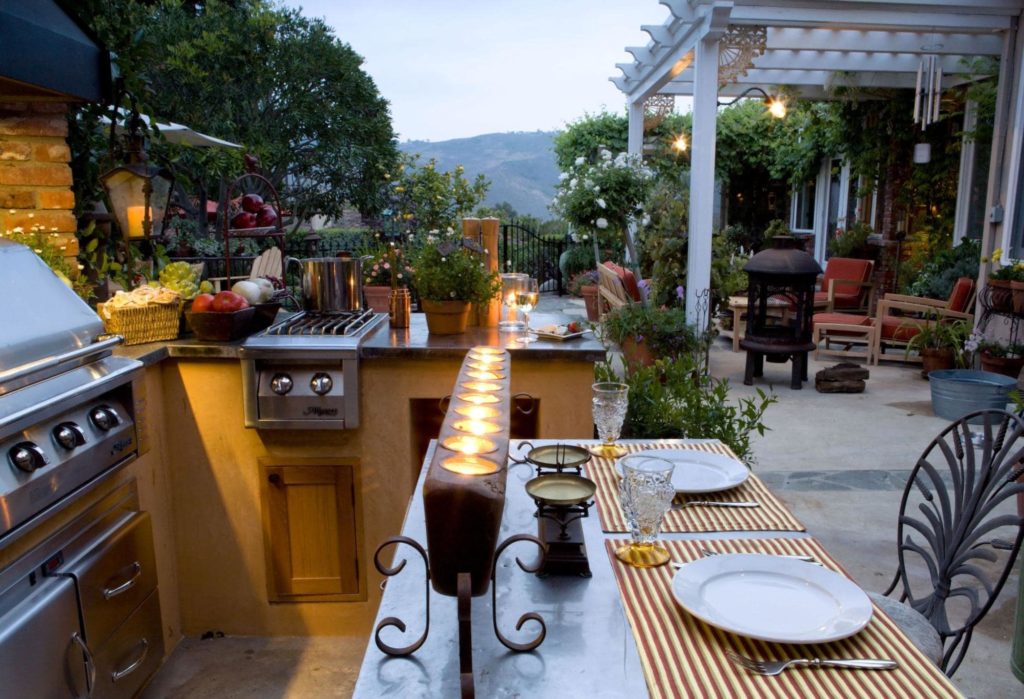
[
  {"x": 526, "y": 299},
  {"x": 609, "y": 403},
  {"x": 512, "y": 284},
  {"x": 646, "y": 493}
]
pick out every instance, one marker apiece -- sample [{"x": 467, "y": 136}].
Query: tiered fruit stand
[{"x": 250, "y": 183}]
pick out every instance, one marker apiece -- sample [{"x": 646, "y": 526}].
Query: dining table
[{"x": 622, "y": 632}]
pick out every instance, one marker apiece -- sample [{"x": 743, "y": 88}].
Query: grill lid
[{"x": 40, "y": 316}]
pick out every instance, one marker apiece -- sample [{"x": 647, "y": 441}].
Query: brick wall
[{"x": 35, "y": 177}]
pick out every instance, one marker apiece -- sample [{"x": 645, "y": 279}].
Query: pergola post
[
  {"x": 635, "y": 146},
  {"x": 702, "y": 174}
]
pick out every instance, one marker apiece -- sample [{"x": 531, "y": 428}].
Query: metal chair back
[{"x": 959, "y": 530}]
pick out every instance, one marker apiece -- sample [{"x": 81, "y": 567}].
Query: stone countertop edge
[{"x": 385, "y": 342}]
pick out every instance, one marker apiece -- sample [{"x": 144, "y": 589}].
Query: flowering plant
[
  {"x": 449, "y": 268},
  {"x": 48, "y": 246},
  {"x": 993, "y": 348},
  {"x": 387, "y": 266},
  {"x": 608, "y": 194},
  {"x": 1007, "y": 271}
]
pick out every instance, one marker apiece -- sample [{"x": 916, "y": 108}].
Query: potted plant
[
  {"x": 1001, "y": 358},
  {"x": 941, "y": 344},
  {"x": 646, "y": 334},
  {"x": 1006, "y": 284},
  {"x": 386, "y": 268},
  {"x": 449, "y": 275},
  {"x": 584, "y": 285}
]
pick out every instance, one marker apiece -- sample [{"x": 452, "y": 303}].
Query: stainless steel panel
[
  {"x": 132, "y": 654},
  {"x": 38, "y": 657},
  {"x": 115, "y": 577},
  {"x": 301, "y": 408},
  {"x": 40, "y": 316}
]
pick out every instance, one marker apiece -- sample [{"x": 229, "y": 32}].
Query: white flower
[
  {"x": 646, "y": 220},
  {"x": 586, "y": 237},
  {"x": 606, "y": 154},
  {"x": 601, "y": 203},
  {"x": 452, "y": 294},
  {"x": 601, "y": 223},
  {"x": 563, "y": 176},
  {"x": 572, "y": 184},
  {"x": 444, "y": 259},
  {"x": 580, "y": 160}
]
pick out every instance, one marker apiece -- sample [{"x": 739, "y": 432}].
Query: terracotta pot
[
  {"x": 634, "y": 353},
  {"x": 590, "y": 299},
  {"x": 1017, "y": 289},
  {"x": 1007, "y": 366},
  {"x": 377, "y": 298},
  {"x": 936, "y": 359},
  {"x": 1000, "y": 295},
  {"x": 446, "y": 317}
]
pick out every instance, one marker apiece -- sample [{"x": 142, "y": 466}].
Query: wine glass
[
  {"x": 526, "y": 300},
  {"x": 646, "y": 493},
  {"x": 511, "y": 285},
  {"x": 609, "y": 403}
]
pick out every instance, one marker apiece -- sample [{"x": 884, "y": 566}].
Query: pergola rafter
[{"x": 811, "y": 47}]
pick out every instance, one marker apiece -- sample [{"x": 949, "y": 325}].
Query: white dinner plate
[
  {"x": 699, "y": 471},
  {"x": 772, "y": 598}
]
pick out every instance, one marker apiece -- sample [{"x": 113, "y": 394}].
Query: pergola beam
[
  {"x": 808, "y": 39},
  {"x": 822, "y": 14},
  {"x": 683, "y": 85},
  {"x": 852, "y": 61}
]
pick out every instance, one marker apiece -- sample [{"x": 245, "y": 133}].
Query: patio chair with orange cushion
[
  {"x": 898, "y": 319},
  {"x": 611, "y": 289},
  {"x": 846, "y": 286}
]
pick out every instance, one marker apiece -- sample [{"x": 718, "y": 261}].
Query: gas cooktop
[{"x": 340, "y": 332}]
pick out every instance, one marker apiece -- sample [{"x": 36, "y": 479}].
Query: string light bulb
[{"x": 680, "y": 144}]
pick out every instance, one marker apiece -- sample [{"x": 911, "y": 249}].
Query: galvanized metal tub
[{"x": 956, "y": 392}]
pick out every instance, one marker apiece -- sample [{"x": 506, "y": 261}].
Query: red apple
[
  {"x": 228, "y": 302},
  {"x": 243, "y": 219},
  {"x": 201, "y": 303},
  {"x": 252, "y": 203},
  {"x": 266, "y": 217}
]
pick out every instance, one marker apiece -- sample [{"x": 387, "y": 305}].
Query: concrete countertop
[{"x": 392, "y": 343}]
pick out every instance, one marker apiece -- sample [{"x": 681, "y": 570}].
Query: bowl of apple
[{"x": 223, "y": 317}]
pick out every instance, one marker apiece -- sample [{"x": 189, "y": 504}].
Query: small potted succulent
[{"x": 449, "y": 275}]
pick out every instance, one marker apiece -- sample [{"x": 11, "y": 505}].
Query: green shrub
[
  {"x": 851, "y": 242},
  {"x": 664, "y": 331},
  {"x": 938, "y": 275}
]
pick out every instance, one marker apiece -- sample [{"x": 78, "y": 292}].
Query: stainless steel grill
[
  {"x": 66, "y": 409},
  {"x": 341, "y": 323}
]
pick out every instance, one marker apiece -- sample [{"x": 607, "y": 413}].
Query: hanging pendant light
[{"x": 139, "y": 192}]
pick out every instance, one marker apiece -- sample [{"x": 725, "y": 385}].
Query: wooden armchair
[
  {"x": 846, "y": 286},
  {"x": 900, "y": 317},
  {"x": 612, "y": 292}
]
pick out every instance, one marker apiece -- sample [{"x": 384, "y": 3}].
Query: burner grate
[{"x": 339, "y": 324}]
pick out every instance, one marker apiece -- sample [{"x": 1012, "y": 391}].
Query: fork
[
  {"x": 805, "y": 559},
  {"x": 713, "y": 503},
  {"x": 775, "y": 667}
]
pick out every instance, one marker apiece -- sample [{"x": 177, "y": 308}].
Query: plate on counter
[
  {"x": 556, "y": 337},
  {"x": 700, "y": 471},
  {"x": 773, "y": 599}
]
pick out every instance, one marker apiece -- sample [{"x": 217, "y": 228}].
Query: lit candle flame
[
  {"x": 477, "y": 398},
  {"x": 477, "y": 427},
  {"x": 477, "y": 412}
]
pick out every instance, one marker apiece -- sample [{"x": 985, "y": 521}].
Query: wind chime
[{"x": 927, "y": 96}]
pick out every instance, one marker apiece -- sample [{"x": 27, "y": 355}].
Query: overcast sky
[{"x": 458, "y": 68}]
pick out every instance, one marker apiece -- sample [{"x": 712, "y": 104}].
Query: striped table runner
[
  {"x": 772, "y": 515},
  {"x": 684, "y": 657}
]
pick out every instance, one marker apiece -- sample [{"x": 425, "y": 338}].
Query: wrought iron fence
[{"x": 521, "y": 249}]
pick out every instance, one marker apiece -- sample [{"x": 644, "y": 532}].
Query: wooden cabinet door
[{"x": 312, "y": 531}]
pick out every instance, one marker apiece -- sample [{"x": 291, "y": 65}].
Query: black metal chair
[{"x": 959, "y": 531}]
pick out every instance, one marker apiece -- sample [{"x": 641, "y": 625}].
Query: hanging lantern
[{"x": 139, "y": 192}]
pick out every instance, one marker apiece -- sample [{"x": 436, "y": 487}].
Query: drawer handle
[
  {"x": 90, "y": 666},
  {"x": 128, "y": 584},
  {"x": 118, "y": 675}
]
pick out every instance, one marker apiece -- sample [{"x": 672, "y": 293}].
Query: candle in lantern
[
  {"x": 469, "y": 444},
  {"x": 477, "y": 398},
  {"x": 477, "y": 412},
  {"x": 136, "y": 215},
  {"x": 476, "y": 427},
  {"x": 469, "y": 465}
]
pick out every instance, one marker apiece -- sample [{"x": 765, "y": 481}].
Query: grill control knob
[
  {"x": 27, "y": 457},
  {"x": 103, "y": 417},
  {"x": 281, "y": 384},
  {"x": 68, "y": 435},
  {"x": 321, "y": 383}
]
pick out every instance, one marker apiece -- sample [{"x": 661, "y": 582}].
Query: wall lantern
[
  {"x": 139, "y": 192},
  {"x": 776, "y": 106}
]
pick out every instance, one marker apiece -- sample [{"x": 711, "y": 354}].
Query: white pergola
[{"x": 712, "y": 48}]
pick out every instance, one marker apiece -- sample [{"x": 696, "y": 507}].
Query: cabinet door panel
[{"x": 311, "y": 531}]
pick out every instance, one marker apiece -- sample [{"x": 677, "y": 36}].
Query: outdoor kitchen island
[{"x": 274, "y": 529}]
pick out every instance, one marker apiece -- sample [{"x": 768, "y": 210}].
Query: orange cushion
[
  {"x": 839, "y": 300},
  {"x": 961, "y": 292},
  {"x": 847, "y": 268},
  {"x": 897, "y": 328},
  {"x": 628, "y": 280}
]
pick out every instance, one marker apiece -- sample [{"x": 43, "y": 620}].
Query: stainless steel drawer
[
  {"x": 115, "y": 577},
  {"x": 39, "y": 656},
  {"x": 131, "y": 654}
]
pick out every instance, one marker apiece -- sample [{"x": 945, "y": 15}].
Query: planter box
[{"x": 956, "y": 392}]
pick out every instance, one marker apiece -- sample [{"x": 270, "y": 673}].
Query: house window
[{"x": 801, "y": 218}]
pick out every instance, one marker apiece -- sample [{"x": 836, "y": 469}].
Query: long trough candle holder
[{"x": 463, "y": 501}]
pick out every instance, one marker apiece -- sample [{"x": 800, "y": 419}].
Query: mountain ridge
[{"x": 520, "y": 165}]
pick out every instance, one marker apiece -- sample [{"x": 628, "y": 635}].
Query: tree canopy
[{"x": 261, "y": 75}]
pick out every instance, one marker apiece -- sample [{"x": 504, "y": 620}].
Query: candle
[
  {"x": 477, "y": 427},
  {"x": 469, "y": 444},
  {"x": 136, "y": 216},
  {"x": 482, "y": 386},
  {"x": 487, "y": 375},
  {"x": 488, "y": 350},
  {"x": 469, "y": 465},
  {"x": 477, "y": 412},
  {"x": 477, "y": 398}
]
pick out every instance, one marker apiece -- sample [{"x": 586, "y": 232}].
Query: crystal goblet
[
  {"x": 646, "y": 493},
  {"x": 529, "y": 294},
  {"x": 609, "y": 403}
]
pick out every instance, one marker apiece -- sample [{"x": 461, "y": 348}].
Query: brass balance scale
[{"x": 563, "y": 498}]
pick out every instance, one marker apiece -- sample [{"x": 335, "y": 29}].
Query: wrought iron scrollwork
[
  {"x": 528, "y": 616},
  {"x": 531, "y": 401},
  {"x": 395, "y": 621},
  {"x": 949, "y": 520}
]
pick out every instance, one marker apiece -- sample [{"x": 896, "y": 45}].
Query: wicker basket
[{"x": 139, "y": 324}]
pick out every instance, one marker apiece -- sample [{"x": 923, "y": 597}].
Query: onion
[{"x": 250, "y": 291}]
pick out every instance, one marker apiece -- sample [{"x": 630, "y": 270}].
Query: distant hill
[{"x": 520, "y": 166}]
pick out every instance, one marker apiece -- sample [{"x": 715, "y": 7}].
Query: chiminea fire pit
[{"x": 787, "y": 273}]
